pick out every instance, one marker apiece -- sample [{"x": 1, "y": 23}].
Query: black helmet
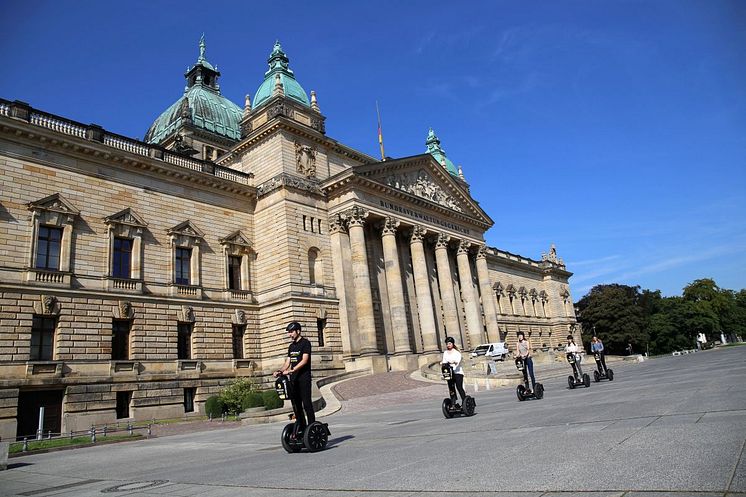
[
  {"x": 451, "y": 340},
  {"x": 569, "y": 337},
  {"x": 293, "y": 326}
]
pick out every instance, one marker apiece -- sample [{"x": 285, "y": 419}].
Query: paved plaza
[{"x": 668, "y": 427}]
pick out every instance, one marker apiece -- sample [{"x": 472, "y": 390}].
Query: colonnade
[{"x": 353, "y": 282}]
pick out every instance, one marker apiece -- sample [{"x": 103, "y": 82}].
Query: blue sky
[{"x": 614, "y": 129}]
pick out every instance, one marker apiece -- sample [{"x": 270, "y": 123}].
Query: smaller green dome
[
  {"x": 278, "y": 64},
  {"x": 434, "y": 149}
]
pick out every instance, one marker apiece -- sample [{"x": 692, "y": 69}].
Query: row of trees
[{"x": 623, "y": 315}]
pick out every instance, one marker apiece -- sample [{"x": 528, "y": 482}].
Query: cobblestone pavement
[{"x": 668, "y": 427}]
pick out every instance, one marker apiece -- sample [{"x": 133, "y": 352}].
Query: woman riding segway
[{"x": 454, "y": 374}]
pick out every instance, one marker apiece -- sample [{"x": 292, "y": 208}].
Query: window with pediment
[
  {"x": 500, "y": 296},
  {"x": 185, "y": 259},
  {"x": 52, "y": 224},
  {"x": 544, "y": 299},
  {"x": 124, "y": 268},
  {"x": 238, "y": 256},
  {"x": 511, "y": 290}
]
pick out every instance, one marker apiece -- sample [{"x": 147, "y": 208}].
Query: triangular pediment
[
  {"x": 187, "y": 228},
  {"x": 54, "y": 203},
  {"x": 128, "y": 217},
  {"x": 422, "y": 177},
  {"x": 236, "y": 238}
]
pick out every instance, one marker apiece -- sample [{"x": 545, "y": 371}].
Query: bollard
[
  {"x": 49, "y": 434},
  {"x": 149, "y": 432},
  {"x": 25, "y": 444},
  {"x": 93, "y": 435},
  {"x": 104, "y": 430},
  {"x": 209, "y": 418},
  {"x": 223, "y": 418},
  {"x": 71, "y": 434},
  {"x": 129, "y": 428}
]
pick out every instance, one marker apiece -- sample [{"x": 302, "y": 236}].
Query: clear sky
[{"x": 614, "y": 129}]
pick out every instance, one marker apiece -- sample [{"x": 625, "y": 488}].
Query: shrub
[
  {"x": 214, "y": 406},
  {"x": 271, "y": 399},
  {"x": 252, "y": 399},
  {"x": 234, "y": 394}
]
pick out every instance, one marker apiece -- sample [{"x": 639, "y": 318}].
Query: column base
[
  {"x": 373, "y": 363},
  {"x": 404, "y": 362}
]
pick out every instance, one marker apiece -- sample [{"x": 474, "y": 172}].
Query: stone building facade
[{"x": 139, "y": 277}]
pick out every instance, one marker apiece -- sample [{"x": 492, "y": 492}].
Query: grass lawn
[{"x": 33, "y": 445}]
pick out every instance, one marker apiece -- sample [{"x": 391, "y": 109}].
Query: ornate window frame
[
  {"x": 186, "y": 235},
  {"x": 54, "y": 211},
  {"x": 237, "y": 244},
  {"x": 125, "y": 224}
]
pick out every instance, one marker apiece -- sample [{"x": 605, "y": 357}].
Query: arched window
[{"x": 315, "y": 270}]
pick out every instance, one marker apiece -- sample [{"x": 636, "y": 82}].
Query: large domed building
[{"x": 138, "y": 277}]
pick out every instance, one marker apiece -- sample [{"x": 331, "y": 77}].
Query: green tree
[{"x": 614, "y": 311}]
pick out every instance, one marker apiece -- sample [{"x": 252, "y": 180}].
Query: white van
[{"x": 497, "y": 351}]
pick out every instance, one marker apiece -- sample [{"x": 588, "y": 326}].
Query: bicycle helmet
[
  {"x": 450, "y": 340},
  {"x": 293, "y": 326}
]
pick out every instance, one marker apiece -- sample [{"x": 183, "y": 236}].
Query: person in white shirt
[
  {"x": 452, "y": 357},
  {"x": 572, "y": 348}
]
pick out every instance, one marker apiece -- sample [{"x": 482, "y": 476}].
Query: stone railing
[{"x": 22, "y": 111}]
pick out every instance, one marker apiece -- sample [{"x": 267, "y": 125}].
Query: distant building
[{"x": 138, "y": 277}]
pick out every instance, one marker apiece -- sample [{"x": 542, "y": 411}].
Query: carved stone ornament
[
  {"x": 337, "y": 224},
  {"x": 565, "y": 293},
  {"x": 54, "y": 210},
  {"x": 464, "y": 246},
  {"x": 543, "y": 296},
  {"x": 418, "y": 234},
  {"x": 522, "y": 292},
  {"x": 47, "y": 305},
  {"x": 287, "y": 180},
  {"x": 318, "y": 124},
  {"x": 532, "y": 293},
  {"x": 356, "y": 216},
  {"x": 123, "y": 310},
  {"x": 305, "y": 159},
  {"x": 552, "y": 257},
  {"x": 421, "y": 184},
  {"x": 511, "y": 290},
  {"x": 498, "y": 288},
  {"x": 482, "y": 252},
  {"x": 238, "y": 317},
  {"x": 389, "y": 226},
  {"x": 186, "y": 314},
  {"x": 185, "y": 232},
  {"x": 442, "y": 241}
]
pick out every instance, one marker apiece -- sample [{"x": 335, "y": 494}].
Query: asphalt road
[{"x": 669, "y": 427}]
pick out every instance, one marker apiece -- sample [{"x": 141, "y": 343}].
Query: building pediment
[
  {"x": 421, "y": 178},
  {"x": 54, "y": 203},
  {"x": 186, "y": 228},
  {"x": 236, "y": 238},
  {"x": 127, "y": 217}
]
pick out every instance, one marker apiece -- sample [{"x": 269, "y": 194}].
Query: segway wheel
[
  {"x": 586, "y": 380},
  {"x": 539, "y": 391},
  {"x": 469, "y": 405},
  {"x": 520, "y": 391},
  {"x": 596, "y": 376},
  {"x": 571, "y": 382},
  {"x": 447, "y": 408},
  {"x": 315, "y": 437},
  {"x": 610, "y": 374},
  {"x": 287, "y": 444}
]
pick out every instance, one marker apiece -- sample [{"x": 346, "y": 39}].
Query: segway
[
  {"x": 577, "y": 378},
  {"x": 314, "y": 437},
  {"x": 524, "y": 391},
  {"x": 451, "y": 406},
  {"x": 601, "y": 372}
]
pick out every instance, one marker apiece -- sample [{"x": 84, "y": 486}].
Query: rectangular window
[
  {"x": 122, "y": 258},
  {"x": 123, "y": 404},
  {"x": 234, "y": 272},
  {"x": 189, "y": 399},
  {"x": 183, "y": 263},
  {"x": 312, "y": 225},
  {"x": 120, "y": 340},
  {"x": 238, "y": 333},
  {"x": 320, "y": 325},
  {"x": 184, "y": 344},
  {"x": 304, "y": 223},
  {"x": 319, "y": 225},
  {"x": 42, "y": 338},
  {"x": 48, "y": 248}
]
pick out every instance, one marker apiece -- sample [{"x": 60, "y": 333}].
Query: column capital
[
  {"x": 337, "y": 224},
  {"x": 442, "y": 241},
  {"x": 418, "y": 234},
  {"x": 389, "y": 226},
  {"x": 463, "y": 247},
  {"x": 482, "y": 252},
  {"x": 357, "y": 216}
]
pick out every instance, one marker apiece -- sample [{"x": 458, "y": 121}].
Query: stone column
[
  {"x": 422, "y": 288},
  {"x": 394, "y": 287},
  {"x": 343, "y": 283},
  {"x": 468, "y": 295},
  {"x": 366, "y": 325},
  {"x": 445, "y": 282},
  {"x": 488, "y": 296}
]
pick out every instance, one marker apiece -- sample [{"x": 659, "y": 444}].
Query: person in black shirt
[{"x": 298, "y": 367}]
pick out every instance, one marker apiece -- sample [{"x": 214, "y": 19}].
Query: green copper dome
[
  {"x": 434, "y": 149},
  {"x": 278, "y": 64},
  {"x": 202, "y": 106}
]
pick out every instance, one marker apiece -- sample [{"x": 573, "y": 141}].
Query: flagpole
[{"x": 380, "y": 133}]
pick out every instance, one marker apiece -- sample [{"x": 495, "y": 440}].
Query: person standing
[
  {"x": 452, "y": 357},
  {"x": 572, "y": 348},
  {"x": 597, "y": 347},
  {"x": 298, "y": 367},
  {"x": 523, "y": 350}
]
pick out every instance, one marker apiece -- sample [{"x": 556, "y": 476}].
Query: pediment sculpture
[{"x": 421, "y": 184}]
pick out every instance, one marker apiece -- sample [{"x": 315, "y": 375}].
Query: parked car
[{"x": 497, "y": 351}]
